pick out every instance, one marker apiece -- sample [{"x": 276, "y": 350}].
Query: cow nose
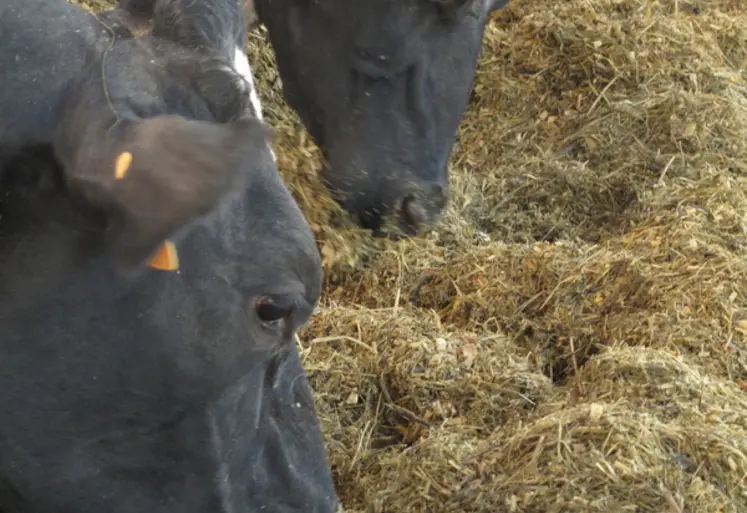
[
  {"x": 418, "y": 208},
  {"x": 422, "y": 208}
]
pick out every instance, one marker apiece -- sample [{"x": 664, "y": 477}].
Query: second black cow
[{"x": 382, "y": 86}]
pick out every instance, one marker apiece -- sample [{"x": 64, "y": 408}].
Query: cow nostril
[
  {"x": 271, "y": 311},
  {"x": 422, "y": 209},
  {"x": 437, "y": 196},
  {"x": 440, "y": 195},
  {"x": 370, "y": 219},
  {"x": 413, "y": 214}
]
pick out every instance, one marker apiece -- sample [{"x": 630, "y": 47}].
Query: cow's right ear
[{"x": 152, "y": 177}]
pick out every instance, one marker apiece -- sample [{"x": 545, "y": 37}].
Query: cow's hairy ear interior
[{"x": 167, "y": 171}]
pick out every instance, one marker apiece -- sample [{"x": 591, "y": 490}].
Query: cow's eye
[{"x": 272, "y": 312}]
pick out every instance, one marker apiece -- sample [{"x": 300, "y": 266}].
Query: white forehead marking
[
  {"x": 242, "y": 66},
  {"x": 241, "y": 62}
]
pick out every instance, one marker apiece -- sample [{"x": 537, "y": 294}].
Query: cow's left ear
[
  {"x": 151, "y": 177},
  {"x": 169, "y": 170}
]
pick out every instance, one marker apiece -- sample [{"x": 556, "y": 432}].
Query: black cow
[
  {"x": 381, "y": 86},
  {"x": 124, "y": 388}
]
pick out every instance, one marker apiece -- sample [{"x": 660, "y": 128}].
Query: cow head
[
  {"x": 155, "y": 391},
  {"x": 381, "y": 85}
]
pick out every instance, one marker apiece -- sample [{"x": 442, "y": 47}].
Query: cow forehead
[
  {"x": 381, "y": 15},
  {"x": 396, "y": 25},
  {"x": 369, "y": 10}
]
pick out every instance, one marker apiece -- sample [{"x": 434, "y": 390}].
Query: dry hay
[{"x": 572, "y": 336}]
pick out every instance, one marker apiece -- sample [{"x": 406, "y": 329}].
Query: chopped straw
[{"x": 571, "y": 338}]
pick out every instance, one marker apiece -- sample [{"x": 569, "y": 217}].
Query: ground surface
[{"x": 571, "y": 338}]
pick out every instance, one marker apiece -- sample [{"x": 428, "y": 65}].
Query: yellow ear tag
[
  {"x": 122, "y": 165},
  {"x": 165, "y": 258}
]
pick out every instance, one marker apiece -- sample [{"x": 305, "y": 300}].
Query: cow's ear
[
  {"x": 180, "y": 170},
  {"x": 152, "y": 177}
]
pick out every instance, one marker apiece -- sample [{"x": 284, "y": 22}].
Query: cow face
[{"x": 381, "y": 85}]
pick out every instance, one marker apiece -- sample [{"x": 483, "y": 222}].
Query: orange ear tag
[
  {"x": 165, "y": 258},
  {"x": 122, "y": 165}
]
